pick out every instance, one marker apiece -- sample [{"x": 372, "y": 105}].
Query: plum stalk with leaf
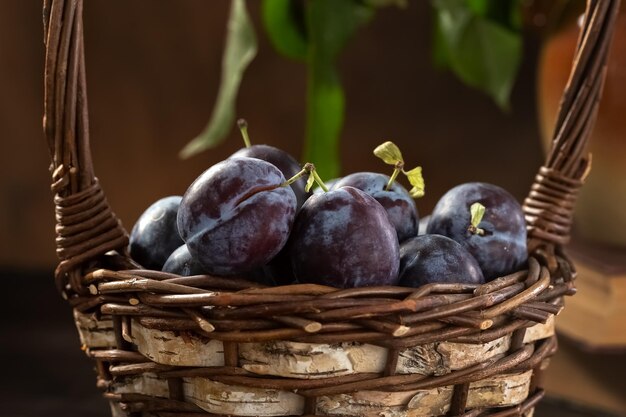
[{"x": 395, "y": 199}]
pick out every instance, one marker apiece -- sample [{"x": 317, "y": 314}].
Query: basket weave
[{"x": 166, "y": 345}]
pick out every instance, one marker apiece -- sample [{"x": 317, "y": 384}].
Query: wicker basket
[{"x": 166, "y": 345}]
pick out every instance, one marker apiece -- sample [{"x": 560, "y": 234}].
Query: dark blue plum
[
  {"x": 286, "y": 163},
  {"x": 399, "y": 205},
  {"x": 343, "y": 238},
  {"x": 155, "y": 235},
  {"x": 502, "y": 249},
  {"x": 436, "y": 259},
  {"x": 182, "y": 263},
  {"x": 236, "y": 216}
]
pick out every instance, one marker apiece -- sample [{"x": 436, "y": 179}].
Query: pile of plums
[{"x": 252, "y": 216}]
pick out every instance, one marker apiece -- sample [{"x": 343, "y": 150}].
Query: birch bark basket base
[
  {"x": 147, "y": 383},
  {"x": 94, "y": 333},
  {"x": 219, "y": 398},
  {"x": 169, "y": 348},
  {"x": 312, "y": 361},
  {"x": 499, "y": 391}
]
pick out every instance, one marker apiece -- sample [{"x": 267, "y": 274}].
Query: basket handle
[
  {"x": 87, "y": 228},
  {"x": 550, "y": 204}
]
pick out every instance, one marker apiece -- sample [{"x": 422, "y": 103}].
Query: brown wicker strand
[
  {"x": 66, "y": 129},
  {"x": 459, "y": 399}
]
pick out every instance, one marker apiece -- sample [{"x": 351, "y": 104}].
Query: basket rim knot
[{"x": 86, "y": 228}]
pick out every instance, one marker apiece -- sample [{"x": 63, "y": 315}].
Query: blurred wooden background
[{"x": 153, "y": 70}]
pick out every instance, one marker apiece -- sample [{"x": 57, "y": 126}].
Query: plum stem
[
  {"x": 295, "y": 178},
  {"x": 308, "y": 168},
  {"x": 398, "y": 169},
  {"x": 243, "y": 128},
  {"x": 319, "y": 181},
  {"x": 477, "y": 212}
]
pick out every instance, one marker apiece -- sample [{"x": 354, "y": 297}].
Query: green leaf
[
  {"x": 479, "y": 7},
  {"x": 389, "y": 153},
  {"x": 240, "y": 50},
  {"x": 440, "y": 55},
  {"x": 484, "y": 53},
  {"x": 330, "y": 24},
  {"x": 284, "y": 22},
  {"x": 417, "y": 181},
  {"x": 477, "y": 212}
]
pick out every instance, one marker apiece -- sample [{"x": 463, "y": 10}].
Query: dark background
[{"x": 153, "y": 68}]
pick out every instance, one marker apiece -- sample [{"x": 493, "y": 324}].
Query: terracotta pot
[{"x": 601, "y": 211}]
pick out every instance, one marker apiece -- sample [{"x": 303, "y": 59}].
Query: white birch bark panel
[
  {"x": 498, "y": 391},
  {"x": 116, "y": 411},
  {"x": 170, "y": 348},
  {"x": 147, "y": 383},
  {"x": 309, "y": 360},
  {"x": 94, "y": 333},
  {"x": 539, "y": 331},
  {"x": 442, "y": 358},
  {"x": 219, "y": 398},
  {"x": 420, "y": 403}
]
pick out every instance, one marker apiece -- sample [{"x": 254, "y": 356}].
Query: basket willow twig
[{"x": 167, "y": 346}]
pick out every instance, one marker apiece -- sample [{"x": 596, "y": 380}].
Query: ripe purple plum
[
  {"x": 182, "y": 263},
  {"x": 286, "y": 163},
  {"x": 498, "y": 242},
  {"x": 399, "y": 205},
  {"x": 283, "y": 161},
  {"x": 343, "y": 238},
  {"x": 237, "y": 215},
  {"x": 155, "y": 235},
  {"x": 436, "y": 259}
]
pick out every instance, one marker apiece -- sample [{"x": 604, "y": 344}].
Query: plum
[
  {"x": 182, "y": 263},
  {"x": 286, "y": 163},
  {"x": 237, "y": 215},
  {"x": 155, "y": 235},
  {"x": 343, "y": 238},
  {"x": 396, "y": 200},
  {"x": 436, "y": 259},
  {"x": 283, "y": 161},
  {"x": 499, "y": 241}
]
